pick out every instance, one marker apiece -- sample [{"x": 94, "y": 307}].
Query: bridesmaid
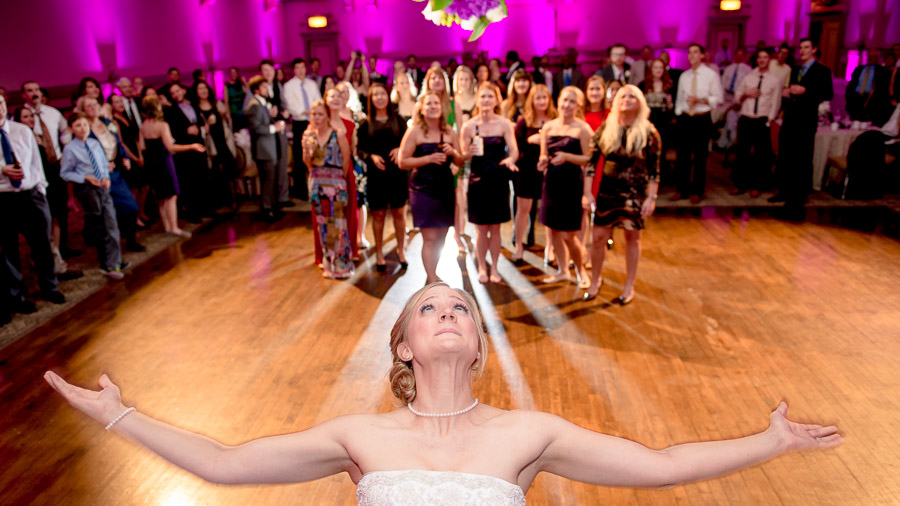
[
  {"x": 427, "y": 149},
  {"x": 403, "y": 97},
  {"x": 327, "y": 154},
  {"x": 595, "y": 114},
  {"x": 379, "y": 138},
  {"x": 492, "y": 162},
  {"x": 529, "y": 180},
  {"x": 518, "y": 89},
  {"x": 565, "y": 150}
]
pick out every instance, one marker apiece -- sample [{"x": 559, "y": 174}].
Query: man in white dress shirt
[
  {"x": 731, "y": 78},
  {"x": 759, "y": 97},
  {"x": 699, "y": 92},
  {"x": 52, "y": 132},
  {"x": 25, "y": 211},
  {"x": 300, "y": 93}
]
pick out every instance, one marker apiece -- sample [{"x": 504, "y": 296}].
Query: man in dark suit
[
  {"x": 867, "y": 93},
  {"x": 513, "y": 63},
  {"x": 892, "y": 77},
  {"x": 174, "y": 76},
  {"x": 416, "y": 75},
  {"x": 810, "y": 85},
  {"x": 186, "y": 121},
  {"x": 617, "y": 70},
  {"x": 569, "y": 75},
  {"x": 267, "y": 69},
  {"x": 269, "y": 146},
  {"x": 674, "y": 74}
]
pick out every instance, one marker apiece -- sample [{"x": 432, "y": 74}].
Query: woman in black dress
[
  {"x": 630, "y": 145},
  {"x": 378, "y": 144},
  {"x": 222, "y": 163},
  {"x": 517, "y": 92},
  {"x": 565, "y": 143},
  {"x": 529, "y": 181},
  {"x": 427, "y": 149},
  {"x": 136, "y": 175},
  {"x": 489, "y": 142}
]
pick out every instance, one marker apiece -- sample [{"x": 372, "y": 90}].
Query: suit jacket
[
  {"x": 517, "y": 65},
  {"x": 559, "y": 81},
  {"x": 608, "y": 74},
  {"x": 263, "y": 141},
  {"x": 803, "y": 110},
  {"x": 179, "y": 124},
  {"x": 875, "y": 106}
]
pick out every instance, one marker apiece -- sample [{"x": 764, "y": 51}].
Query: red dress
[
  {"x": 595, "y": 119},
  {"x": 352, "y": 219}
]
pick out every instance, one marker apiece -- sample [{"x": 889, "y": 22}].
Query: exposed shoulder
[{"x": 585, "y": 127}]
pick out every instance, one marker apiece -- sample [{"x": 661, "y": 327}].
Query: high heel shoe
[
  {"x": 381, "y": 267},
  {"x": 404, "y": 265},
  {"x": 588, "y": 296},
  {"x": 624, "y": 301}
]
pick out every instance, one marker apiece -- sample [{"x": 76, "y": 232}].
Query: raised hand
[
  {"x": 799, "y": 436},
  {"x": 103, "y": 405}
]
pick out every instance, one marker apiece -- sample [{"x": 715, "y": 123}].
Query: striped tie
[{"x": 97, "y": 173}]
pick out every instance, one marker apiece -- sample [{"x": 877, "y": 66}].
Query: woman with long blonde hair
[
  {"x": 464, "y": 104},
  {"x": 403, "y": 96},
  {"x": 630, "y": 147},
  {"x": 539, "y": 109}
]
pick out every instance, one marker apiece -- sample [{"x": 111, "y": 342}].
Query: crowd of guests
[{"x": 445, "y": 142}]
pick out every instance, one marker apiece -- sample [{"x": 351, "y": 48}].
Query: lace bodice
[{"x": 437, "y": 488}]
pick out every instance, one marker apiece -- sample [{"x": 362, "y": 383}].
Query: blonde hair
[
  {"x": 497, "y": 97},
  {"x": 401, "y": 376},
  {"x": 395, "y": 94},
  {"x": 467, "y": 70},
  {"x": 443, "y": 95},
  {"x": 579, "y": 99},
  {"x": 530, "y": 113},
  {"x": 637, "y": 135},
  {"x": 419, "y": 113}
]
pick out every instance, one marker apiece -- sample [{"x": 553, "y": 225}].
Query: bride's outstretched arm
[
  {"x": 302, "y": 456},
  {"x": 590, "y": 457}
]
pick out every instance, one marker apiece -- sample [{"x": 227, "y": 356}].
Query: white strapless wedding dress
[{"x": 437, "y": 488}]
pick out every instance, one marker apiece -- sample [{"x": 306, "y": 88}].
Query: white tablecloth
[{"x": 830, "y": 143}]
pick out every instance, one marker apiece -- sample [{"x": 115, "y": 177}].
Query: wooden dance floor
[{"x": 236, "y": 335}]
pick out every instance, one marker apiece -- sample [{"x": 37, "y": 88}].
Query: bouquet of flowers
[{"x": 471, "y": 15}]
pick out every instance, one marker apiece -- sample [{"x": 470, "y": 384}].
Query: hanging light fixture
[
  {"x": 730, "y": 5},
  {"x": 317, "y": 21}
]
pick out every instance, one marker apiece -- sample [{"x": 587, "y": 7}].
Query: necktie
[
  {"x": 305, "y": 98},
  {"x": 8, "y": 156},
  {"x": 867, "y": 81},
  {"x": 693, "y": 91},
  {"x": 135, "y": 112},
  {"x": 803, "y": 70},
  {"x": 47, "y": 141},
  {"x": 733, "y": 80},
  {"x": 567, "y": 77},
  {"x": 756, "y": 103},
  {"x": 97, "y": 173}
]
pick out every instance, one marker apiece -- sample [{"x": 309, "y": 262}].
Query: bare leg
[
  {"x": 481, "y": 247},
  {"x": 562, "y": 257},
  {"x": 54, "y": 234},
  {"x": 459, "y": 219},
  {"x": 399, "y": 217},
  {"x": 584, "y": 235},
  {"x": 432, "y": 244},
  {"x": 576, "y": 249},
  {"x": 164, "y": 214},
  {"x": 632, "y": 255},
  {"x": 598, "y": 256},
  {"x": 378, "y": 230},
  {"x": 494, "y": 247},
  {"x": 361, "y": 214},
  {"x": 523, "y": 207},
  {"x": 549, "y": 253}
]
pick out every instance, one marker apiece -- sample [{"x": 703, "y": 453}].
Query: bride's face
[{"x": 442, "y": 324}]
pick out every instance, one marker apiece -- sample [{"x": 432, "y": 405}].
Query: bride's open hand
[
  {"x": 799, "y": 436},
  {"x": 103, "y": 405}
]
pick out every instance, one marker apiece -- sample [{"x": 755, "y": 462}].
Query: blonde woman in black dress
[{"x": 630, "y": 146}]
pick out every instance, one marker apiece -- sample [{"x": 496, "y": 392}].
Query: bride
[{"x": 443, "y": 446}]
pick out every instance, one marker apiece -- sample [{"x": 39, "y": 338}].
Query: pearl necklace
[{"x": 442, "y": 415}]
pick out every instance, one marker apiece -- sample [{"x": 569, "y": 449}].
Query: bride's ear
[{"x": 404, "y": 352}]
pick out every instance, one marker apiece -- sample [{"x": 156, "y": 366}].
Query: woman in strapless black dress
[
  {"x": 378, "y": 143},
  {"x": 529, "y": 181},
  {"x": 488, "y": 194},
  {"x": 427, "y": 149},
  {"x": 565, "y": 151}
]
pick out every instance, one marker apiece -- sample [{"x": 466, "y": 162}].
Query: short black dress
[
  {"x": 528, "y": 180},
  {"x": 388, "y": 188},
  {"x": 623, "y": 187},
  {"x": 431, "y": 193},
  {"x": 563, "y": 188},
  {"x": 488, "y": 194},
  {"x": 160, "y": 169}
]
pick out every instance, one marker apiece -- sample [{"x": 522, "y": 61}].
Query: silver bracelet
[
  {"x": 123, "y": 415},
  {"x": 653, "y": 196}
]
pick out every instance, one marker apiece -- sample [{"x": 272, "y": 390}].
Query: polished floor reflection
[{"x": 235, "y": 334}]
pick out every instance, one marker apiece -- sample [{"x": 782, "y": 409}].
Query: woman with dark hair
[
  {"x": 220, "y": 152},
  {"x": 658, "y": 89},
  {"x": 136, "y": 176},
  {"x": 427, "y": 149},
  {"x": 378, "y": 144},
  {"x": 517, "y": 91},
  {"x": 90, "y": 87},
  {"x": 612, "y": 87},
  {"x": 489, "y": 142},
  {"x": 442, "y": 446},
  {"x": 328, "y": 82},
  {"x": 539, "y": 109},
  {"x": 235, "y": 94},
  {"x": 482, "y": 74},
  {"x": 494, "y": 65}
]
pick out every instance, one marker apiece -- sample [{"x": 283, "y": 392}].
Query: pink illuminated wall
[{"x": 57, "y": 42}]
